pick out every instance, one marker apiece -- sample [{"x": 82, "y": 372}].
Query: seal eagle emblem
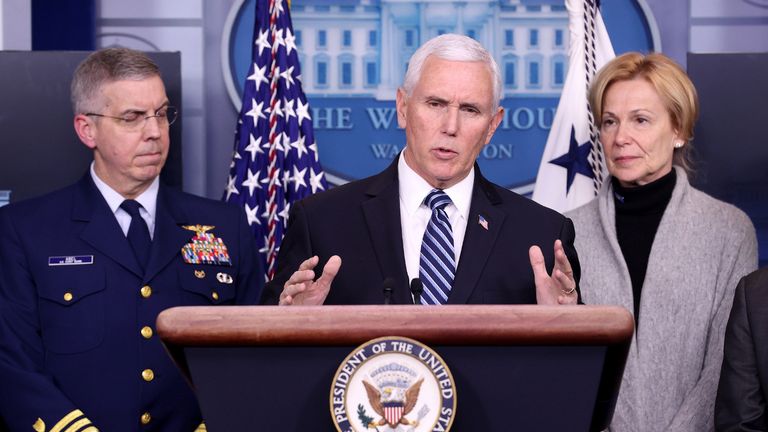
[{"x": 393, "y": 384}]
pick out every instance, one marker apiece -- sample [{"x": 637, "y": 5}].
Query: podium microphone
[
  {"x": 388, "y": 288},
  {"x": 416, "y": 289}
]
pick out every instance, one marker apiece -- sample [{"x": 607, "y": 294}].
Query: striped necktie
[{"x": 437, "y": 264}]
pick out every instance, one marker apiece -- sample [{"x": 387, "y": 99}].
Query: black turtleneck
[{"x": 638, "y": 214}]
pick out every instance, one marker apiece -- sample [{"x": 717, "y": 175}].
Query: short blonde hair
[{"x": 671, "y": 84}]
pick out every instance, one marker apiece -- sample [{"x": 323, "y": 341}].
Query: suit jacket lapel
[
  {"x": 169, "y": 236},
  {"x": 478, "y": 241},
  {"x": 382, "y": 215},
  {"x": 102, "y": 231}
]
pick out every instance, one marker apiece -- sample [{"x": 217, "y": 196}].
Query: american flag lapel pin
[{"x": 482, "y": 221}]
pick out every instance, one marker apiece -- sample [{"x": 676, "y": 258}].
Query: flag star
[
  {"x": 257, "y": 111},
  {"x": 235, "y": 157},
  {"x": 316, "y": 180},
  {"x": 265, "y": 249},
  {"x": 285, "y": 213},
  {"x": 288, "y": 109},
  {"x": 290, "y": 41},
  {"x": 286, "y": 143},
  {"x": 252, "y": 182},
  {"x": 276, "y": 110},
  {"x": 288, "y": 77},
  {"x": 313, "y": 147},
  {"x": 254, "y": 147},
  {"x": 575, "y": 161},
  {"x": 279, "y": 7},
  {"x": 250, "y": 213},
  {"x": 287, "y": 177},
  {"x": 278, "y": 38},
  {"x": 274, "y": 178},
  {"x": 302, "y": 111},
  {"x": 299, "y": 146},
  {"x": 263, "y": 40},
  {"x": 231, "y": 187},
  {"x": 259, "y": 76},
  {"x": 298, "y": 178},
  {"x": 278, "y": 146}
]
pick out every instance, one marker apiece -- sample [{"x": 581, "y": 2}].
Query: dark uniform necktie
[
  {"x": 437, "y": 264},
  {"x": 138, "y": 232}
]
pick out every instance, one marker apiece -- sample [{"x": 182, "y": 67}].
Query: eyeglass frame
[{"x": 146, "y": 117}]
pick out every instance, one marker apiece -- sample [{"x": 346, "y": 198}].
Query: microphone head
[
  {"x": 416, "y": 286},
  {"x": 416, "y": 289},
  {"x": 388, "y": 285}
]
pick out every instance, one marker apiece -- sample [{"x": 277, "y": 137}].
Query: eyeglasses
[{"x": 136, "y": 120}]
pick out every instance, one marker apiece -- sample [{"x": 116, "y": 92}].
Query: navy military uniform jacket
[{"x": 77, "y": 334}]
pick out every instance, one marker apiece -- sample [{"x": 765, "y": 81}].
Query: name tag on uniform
[{"x": 70, "y": 260}]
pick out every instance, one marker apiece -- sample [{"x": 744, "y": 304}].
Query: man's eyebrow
[
  {"x": 472, "y": 105},
  {"x": 142, "y": 112},
  {"x": 133, "y": 111},
  {"x": 436, "y": 99}
]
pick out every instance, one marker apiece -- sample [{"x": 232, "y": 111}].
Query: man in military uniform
[{"x": 86, "y": 269}]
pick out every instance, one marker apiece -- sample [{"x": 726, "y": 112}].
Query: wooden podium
[{"x": 270, "y": 368}]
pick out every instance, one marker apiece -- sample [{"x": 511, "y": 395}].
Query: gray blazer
[{"x": 702, "y": 248}]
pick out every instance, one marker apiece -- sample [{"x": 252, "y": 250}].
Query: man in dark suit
[
  {"x": 743, "y": 392},
  {"x": 469, "y": 241},
  {"x": 85, "y": 270}
]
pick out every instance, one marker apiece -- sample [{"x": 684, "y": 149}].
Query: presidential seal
[{"x": 393, "y": 384}]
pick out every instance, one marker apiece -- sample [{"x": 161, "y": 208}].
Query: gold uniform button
[
  {"x": 215, "y": 295},
  {"x": 146, "y": 291},
  {"x": 68, "y": 296},
  {"x": 146, "y": 418},
  {"x": 146, "y": 331},
  {"x": 148, "y": 375}
]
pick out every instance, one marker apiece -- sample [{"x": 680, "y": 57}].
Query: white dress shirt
[
  {"x": 147, "y": 199},
  {"x": 414, "y": 214}
]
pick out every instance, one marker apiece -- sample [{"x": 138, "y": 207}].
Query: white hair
[{"x": 453, "y": 47}]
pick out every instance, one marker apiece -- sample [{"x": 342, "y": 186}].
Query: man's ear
[
  {"x": 85, "y": 130},
  {"x": 495, "y": 122},
  {"x": 401, "y": 103}
]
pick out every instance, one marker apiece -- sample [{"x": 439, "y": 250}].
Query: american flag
[{"x": 275, "y": 162}]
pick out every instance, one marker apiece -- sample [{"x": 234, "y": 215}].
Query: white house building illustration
[{"x": 352, "y": 48}]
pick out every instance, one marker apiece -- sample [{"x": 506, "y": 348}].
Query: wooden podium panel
[{"x": 515, "y": 367}]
